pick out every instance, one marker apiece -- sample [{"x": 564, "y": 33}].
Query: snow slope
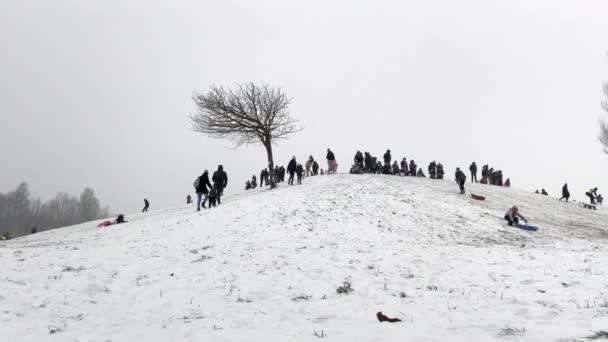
[{"x": 265, "y": 266}]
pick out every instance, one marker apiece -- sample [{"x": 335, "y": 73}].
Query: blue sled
[{"x": 526, "y": 227}]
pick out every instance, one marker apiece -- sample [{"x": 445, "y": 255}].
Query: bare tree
[
  {"x": 251, "y": 114},
  {"x": 603, "y": 136}
]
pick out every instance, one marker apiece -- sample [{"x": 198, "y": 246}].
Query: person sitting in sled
[{"x": 512, "y": 216}]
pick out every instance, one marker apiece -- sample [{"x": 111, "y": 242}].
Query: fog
[{"x": 98, "y": 94}]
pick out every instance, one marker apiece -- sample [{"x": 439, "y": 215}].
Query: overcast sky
[{"x": 98, "y": 93}]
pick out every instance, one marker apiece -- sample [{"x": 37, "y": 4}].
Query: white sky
[{"x": 97, "y": 93}]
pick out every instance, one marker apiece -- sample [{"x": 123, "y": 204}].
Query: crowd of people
[{"x": 362, "y": 163}]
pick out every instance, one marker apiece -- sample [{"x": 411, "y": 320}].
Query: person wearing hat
[{"x": 512, "y": 216}]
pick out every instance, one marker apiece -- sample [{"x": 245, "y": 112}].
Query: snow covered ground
[{"x": 266, "y": 265}]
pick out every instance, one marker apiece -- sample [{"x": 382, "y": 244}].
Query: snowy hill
[{"x": 266, "y": 265}]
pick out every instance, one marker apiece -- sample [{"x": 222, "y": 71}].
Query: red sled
[
  {"x": 104, "y": 224},
  {"x": 477, "y": 197}
]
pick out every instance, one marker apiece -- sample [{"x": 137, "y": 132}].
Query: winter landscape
[
  {"x": 323, "y": 170},
  {"x": 268, "y": 266}
]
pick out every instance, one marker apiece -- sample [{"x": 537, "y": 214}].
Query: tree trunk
[{"x": 268, "y": 146}]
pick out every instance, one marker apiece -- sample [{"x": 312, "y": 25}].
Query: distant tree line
[{"x": 21, "y": 215}]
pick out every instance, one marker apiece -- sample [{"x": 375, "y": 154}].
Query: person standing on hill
[
  {"x": 413, "y": 167},
  {"x": 484, "y": 174},
  {"x": 254, "y": 182},
  {"x": 404, "y": 169},
  {"x": 299, "y": 173},
  {"x": 544, "y": 192},
  {"x": 291, "y": 168},
  {"x": 592, "y": 194},
  {"x": 146, "y": 205},
  {"x": 461, "y": 178},
  {"x": 188, "y": 199},
  {"x": 440, "y": 171},
  {"x": 473, "y": 169},
  {"x": 359, "y": 160},
  {"x": 433, "y": 170},
  {"x": 200, "y": 186},
  {"x": 508, "y": 183},
  {"x": 331, "y": 161},
  {"x": 387, "y": 157},
  {"x": 315, "y": 168},
  {"x": 262, "y": 177},
  {"x": 565, "y": 193},
  {"x": 221, "y": 179},
  {"x": 308, "y": 164}
]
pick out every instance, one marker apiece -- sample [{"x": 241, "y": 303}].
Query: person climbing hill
[
  {"x": 461, "y": 178},
  {"x": 200, "y": 186},
  {"x": 146, "y": 206},
  {"x": 220, "y": 178}
]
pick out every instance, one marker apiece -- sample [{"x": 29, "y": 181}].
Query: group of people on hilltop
[
  {"x": 366, "y": 163},
  {"x": 205, "y": 191},
  {"x": 295, "y": 170},
  {"x": 488, "y": 176}
]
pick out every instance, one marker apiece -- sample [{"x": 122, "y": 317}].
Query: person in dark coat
[
  {"x": 247, "y": 185},
  {"x": 592, "y": 194},
  {"x": 544, "y": 192},
  {"x": 565, "y": 192},
  {"x": 387, "y": 157},
  {"x": 146, "y": 205},
  {"x": 508, "y": 183},
  {"x": 413, "y": 167},
  {"x": 367, "y": 162},
  {"x": 262, "y": 178},
  {"x": 359, "y": 159},
  {"x": 214, "y": 195},
  {"x": 395, "y": 168},
  {"x": 484, "y": 175},
  {"x": 404, "y": 169},
  {"x": 420, "y": 173},
  {"x": 221, "y": 179},
  {"x": 433, "y": 170},
  {"x": 499, "y": 178},
  {"x": 281, "y": 174},
  {"x": 299, "y": 173},
  {"x": 473, "y": 169},
  {"x": 440, "y": 171},
  {"x": 386, "y": 169},
  {"x": 461, "y": 178},
  {"x": 491, "y": 176},
  {"x": 291, "y": 168},
  {"x": 254, "y": 182},
  {"x": 188, "y": 199},
  {"x": 600, "y": 199},
  {"x": 200, "y": 185},
  {"x": 315, "y": 168}
]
